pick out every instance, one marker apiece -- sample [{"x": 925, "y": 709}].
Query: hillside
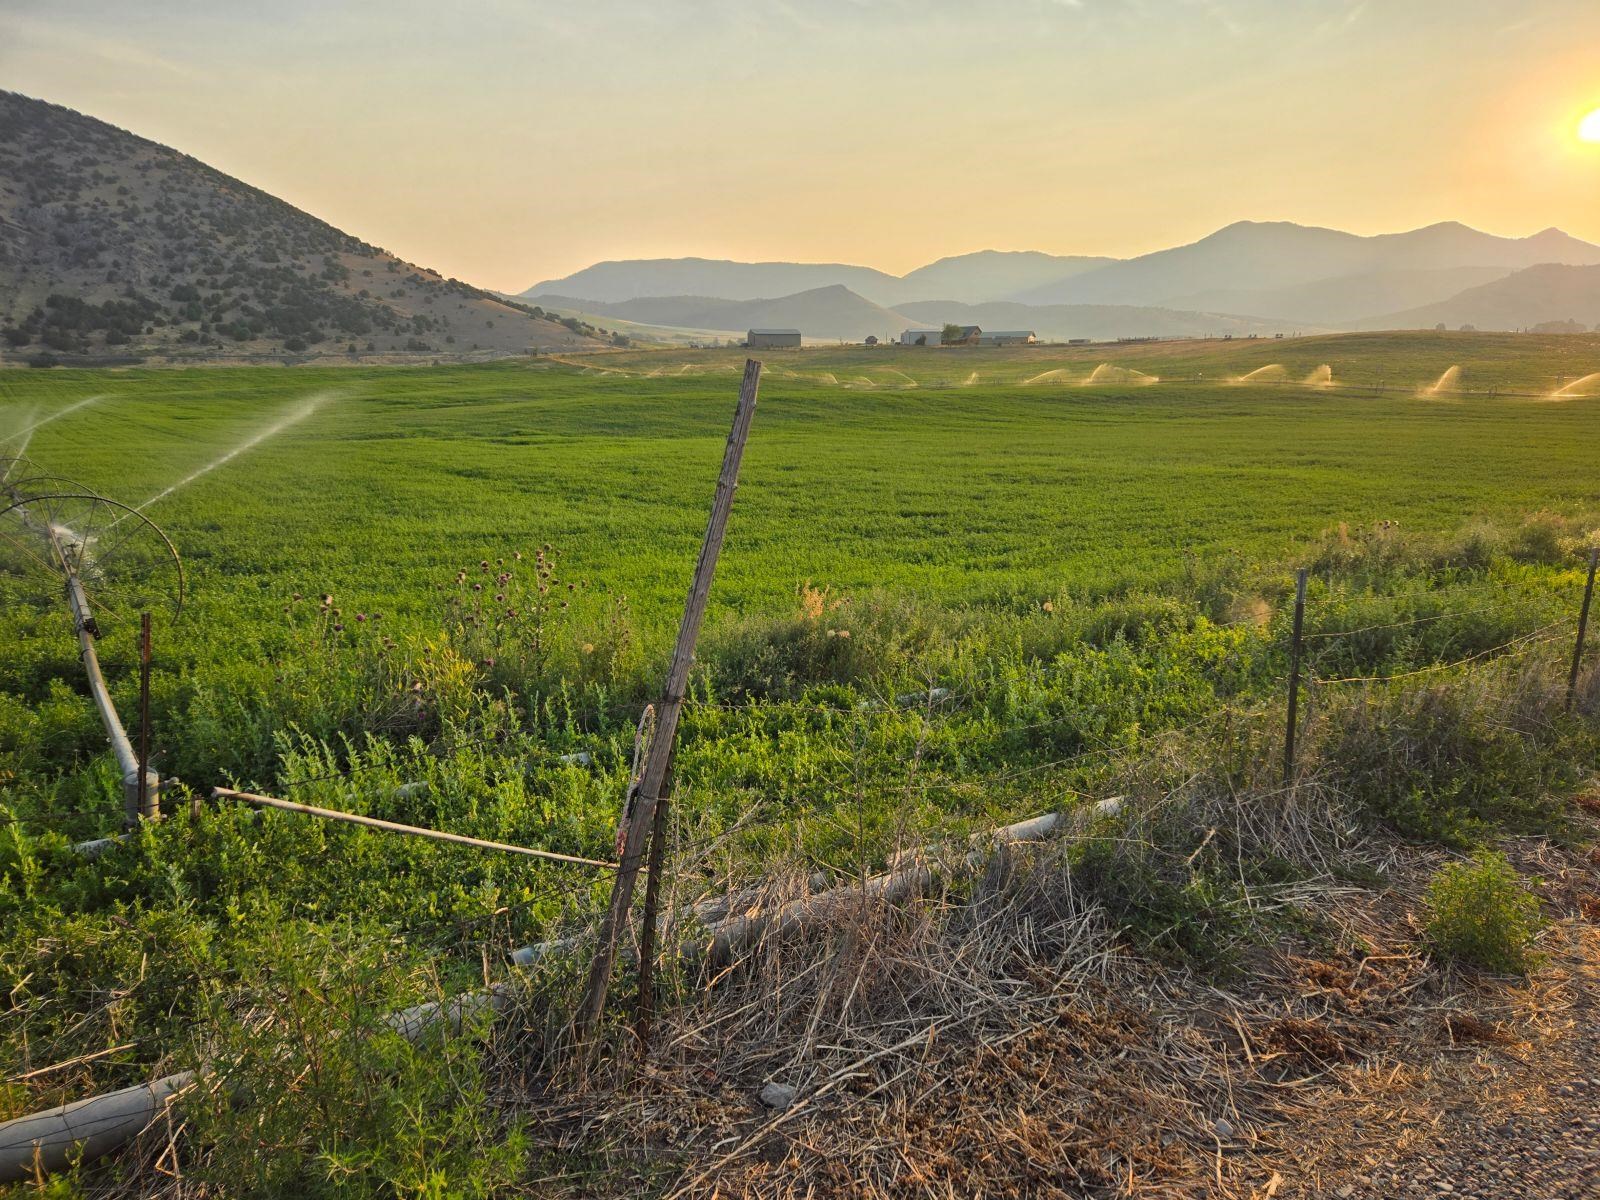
[
  {"x": 825, "y": 312},
  {"x": 992, "y": 274},
  {"x": 1252, "y": 255},
  {"x": 112, "y": 244},
  {"x": 1549, "y": 293},
  {"x": 1099, "y": 322},
  {"x": 1346, "y": 297}
]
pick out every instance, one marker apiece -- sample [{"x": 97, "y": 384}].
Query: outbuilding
[
  {"x": 773, "y": 339},
  {"x": 921, "y": 337},
  {"x": 1008, "y": 337}
]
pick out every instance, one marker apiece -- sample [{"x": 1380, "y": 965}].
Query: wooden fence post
[
  {"x": 1294, "y": 676},
  {"x": 660, "y": 752},
  {"x": 1583, "y": 628},
  {"x": 149, "y": 805},
  {"x": 645, "y": 1006}
]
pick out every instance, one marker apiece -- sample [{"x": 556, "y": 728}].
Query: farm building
[
  {"x": 921, "y": 337},
  {"x": 1007, "y": 337},
  {"x": 773, "y": 339},
  {"x": 967, "y": 335}
]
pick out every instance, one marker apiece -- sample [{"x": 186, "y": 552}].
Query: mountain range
[
  {"x": 1250, "y": 277},
  {"x": 112, "y": 245}
]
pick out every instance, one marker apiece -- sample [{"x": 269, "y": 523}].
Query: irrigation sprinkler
[{"x": 56, "y": 531}]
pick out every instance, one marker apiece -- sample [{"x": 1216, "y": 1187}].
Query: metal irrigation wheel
[{"x": 124, "y": 560}]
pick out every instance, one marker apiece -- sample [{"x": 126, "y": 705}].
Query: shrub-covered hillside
[{"x": 111, "y": 244}]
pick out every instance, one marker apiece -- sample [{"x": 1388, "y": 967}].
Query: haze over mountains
[
  {"x": 1250, "y": 277},
  {"x": 110, "y": 243}
]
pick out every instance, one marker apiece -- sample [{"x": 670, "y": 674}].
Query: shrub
[
  {"x": 1479, "y": 912},
  {"x": 1544, "y": 538},
  {"x": 1448, "y": 763}
]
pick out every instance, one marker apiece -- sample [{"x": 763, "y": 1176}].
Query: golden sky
[{"x": 510, "y": 141}]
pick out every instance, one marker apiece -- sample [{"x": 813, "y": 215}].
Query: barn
[
  {"x": 921, "y": 337},
  {"x": 1007, "y": 337},
  {"x": 773, "y": 339}
]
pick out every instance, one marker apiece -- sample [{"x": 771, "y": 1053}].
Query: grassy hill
[{"x": 112, "y": 244}]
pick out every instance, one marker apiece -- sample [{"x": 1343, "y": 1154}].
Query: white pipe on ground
[{"x": 47, "y": 1141}]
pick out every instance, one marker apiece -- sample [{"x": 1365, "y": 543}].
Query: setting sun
[{"x": 1589, "y": 127}]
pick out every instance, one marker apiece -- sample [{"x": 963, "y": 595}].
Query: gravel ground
[{"x": 1518, "y": 1119}]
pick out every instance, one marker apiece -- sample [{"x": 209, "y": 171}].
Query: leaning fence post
[
  {"x": 1583, "y": 627},
  {"x": 660, "y": 753},
  {"x": 1294, "y": 676}
]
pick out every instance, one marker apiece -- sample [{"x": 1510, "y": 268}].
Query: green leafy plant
[{"x": 1480, "y": 912}]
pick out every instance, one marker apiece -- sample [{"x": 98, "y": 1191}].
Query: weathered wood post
[
  {"x": 660, "y": 753},
  {"x": 1294, "y": 676},
  {"x": 1583, "y": 628},
  {"x": 645, "y": 1006}
]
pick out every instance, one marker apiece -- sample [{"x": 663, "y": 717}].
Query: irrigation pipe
[
  {"x": 83, "y": 1130},
  {"x": 49, "y": 1141},
  {"x": 83, "y": 624}
]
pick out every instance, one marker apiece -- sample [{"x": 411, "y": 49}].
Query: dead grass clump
[
  {"x": 1310, "y": 1043},
  {"x": 1252, "y": 610},
  {"x": 1462, "y": 1028}
]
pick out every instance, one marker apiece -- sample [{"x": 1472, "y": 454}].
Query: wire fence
[{"x": 938, "y": 702}]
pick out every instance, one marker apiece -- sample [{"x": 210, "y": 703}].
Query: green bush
[{"x": 1479, "y": 912}]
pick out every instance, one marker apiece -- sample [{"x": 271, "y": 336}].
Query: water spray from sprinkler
[{"x": 299, "y": 413}]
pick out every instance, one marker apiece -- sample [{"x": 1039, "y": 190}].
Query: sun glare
[{"x": 1589, "y": 127}]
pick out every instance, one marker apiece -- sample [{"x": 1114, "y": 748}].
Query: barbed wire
[
  {"x": 1535, "y": 635},
  {"x": 1320, "y": 635}
]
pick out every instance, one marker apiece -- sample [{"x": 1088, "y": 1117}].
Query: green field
[
  {"x": 991, "y": 498},
  {"x": 1074, "y": 566},
  {"x": 993, "y": 492}
]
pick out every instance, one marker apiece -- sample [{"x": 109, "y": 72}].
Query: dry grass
[{"x": 1001, "y": 1038}]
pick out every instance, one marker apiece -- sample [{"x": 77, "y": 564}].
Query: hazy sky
[{"x": 509, "y": 141}]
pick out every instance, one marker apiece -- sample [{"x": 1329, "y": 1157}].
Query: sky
[{"x": 505, "y": 142}]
